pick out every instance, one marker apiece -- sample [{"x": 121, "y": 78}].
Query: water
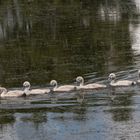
[{"x": 45, "y": 40}]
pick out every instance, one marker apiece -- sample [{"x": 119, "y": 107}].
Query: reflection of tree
[
  {"x": 122, "y": 114},
  {"x": 58, "y": 39},
  {"x": 36, "y": 118},
  {"x": 121, "y": 108},
  {"x": 80, "y": 113},
  {"x": 6, "y": 120}
]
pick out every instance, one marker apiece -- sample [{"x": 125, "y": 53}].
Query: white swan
[
  {"x": 65, "y": 88},
  {"x": 113, "y": 82},
  {"x": 29, "y": 91},
  {"x": 80, "y": 80},
  {"x": 12, "y": 93}
]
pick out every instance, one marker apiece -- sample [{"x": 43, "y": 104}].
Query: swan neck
[
  {"x": 82, "y": 82},
  {"x": 29, "y": 87},
  {"x": 112, "y": 81},
  {"x": 55, "y": 87},
  {"x": 26, "y": 90}
]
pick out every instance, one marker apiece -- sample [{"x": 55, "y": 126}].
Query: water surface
[{"x": 58, "y": 39}]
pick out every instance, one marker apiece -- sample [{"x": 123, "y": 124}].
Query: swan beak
[{"x": 109, "y": 79}]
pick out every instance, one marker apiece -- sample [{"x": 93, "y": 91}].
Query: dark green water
[{"x": 41, "y": 40}]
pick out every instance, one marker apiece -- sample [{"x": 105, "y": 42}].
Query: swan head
[
  {"x": 80, "y": 80},
  {"x": 53, "y": 82},
  {"x": 2, "y": 89},
  {"x": 26, "y": 84},
  {"x": 112, "y": 76}
]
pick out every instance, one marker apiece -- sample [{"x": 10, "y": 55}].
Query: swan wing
[
  {"x": 13, "y": 93},
  {"x": 96, "y": 85},
  {"x": 92, "y": 86},
  {"x": 65, "y": 88},
  {"x": 123, "y": 83},
  {"x": 38, "y": 91}
]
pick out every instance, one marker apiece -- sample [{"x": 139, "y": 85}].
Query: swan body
[
  {"x": 13, "y": 93},
  {"x": 114, "y": 83},
  {"x": 80, "y": 80},
  {"x": 65, "y": 88},
  {"x": 29, "y": 91}
]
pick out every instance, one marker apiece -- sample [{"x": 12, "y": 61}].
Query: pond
[{"x": 57, "y": 39}]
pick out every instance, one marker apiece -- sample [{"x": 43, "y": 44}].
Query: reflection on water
[
  {"x": 98, "y": 115},
  {"x": 60, "y": 40},
  {"x": 121, "y": 110},
  {"x": 45, "y": 40}
]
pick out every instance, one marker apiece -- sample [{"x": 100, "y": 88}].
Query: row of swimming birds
[{"x": 65, "y": 88}]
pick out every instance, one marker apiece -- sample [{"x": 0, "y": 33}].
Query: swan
[
  {"x": 12, "y": 93},
  {"x": 80, "y": 80},
  {"x": 65, "y": 88},
  {"x": 113, "y": 82},
  {"x": 29, "y": 91}
]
